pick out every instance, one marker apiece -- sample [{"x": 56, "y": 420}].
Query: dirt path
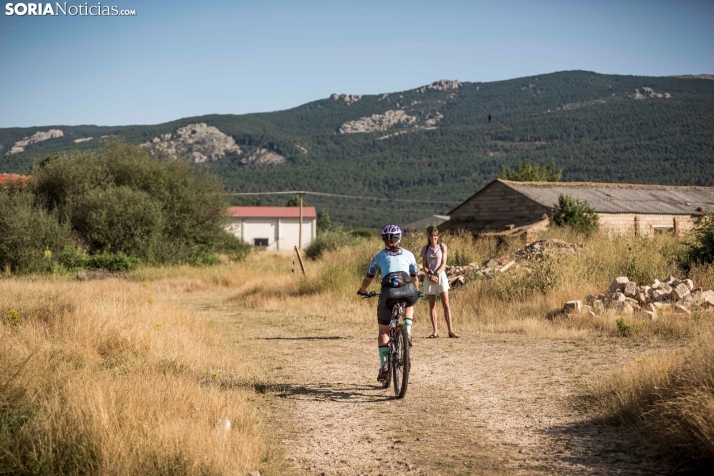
[{"x": 482, "y": 404}]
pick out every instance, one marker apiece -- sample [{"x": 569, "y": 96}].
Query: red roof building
[
  {"x": 273, "y": 228},
  {"x": 6, "y": 179},
  {"x": 271, "y": 212}
]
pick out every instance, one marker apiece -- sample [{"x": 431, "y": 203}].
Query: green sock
[
  {"x": 408, "y": 325},
  {"x": 383, "y": 353}
]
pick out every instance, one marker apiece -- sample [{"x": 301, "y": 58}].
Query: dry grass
[
  {"x": 107, "y": 377},
  {"x": 110, "y": 377},
  {"x": 525, "y": 300},
  {"x": 670, "y": 398}
]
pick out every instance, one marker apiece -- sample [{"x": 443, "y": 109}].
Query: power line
[{"x": 361, "y": 197}]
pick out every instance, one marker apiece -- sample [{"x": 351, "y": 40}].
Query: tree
[
  {"x": 576, "y": 214},
  {"x": 324, "y": 222},
  {"x": 527, "y": 172},
  {"x": 702, "y": 250},
  {"x": 295, "y": 201}
]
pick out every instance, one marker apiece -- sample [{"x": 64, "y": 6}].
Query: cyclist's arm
[
  {"x": 365, "y": 284},
  {"x": 371, "y": 272}
]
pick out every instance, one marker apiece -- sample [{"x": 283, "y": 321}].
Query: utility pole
[{"x": 300, "y": 227}]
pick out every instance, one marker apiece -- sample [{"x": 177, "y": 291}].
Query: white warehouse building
[{"x": 273, "y": 228}]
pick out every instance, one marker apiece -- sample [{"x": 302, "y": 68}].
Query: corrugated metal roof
[
  {"x": 271, "y": 212},
  {"x": 425, "y": 222},
  {"x": 620, "y": 197}
]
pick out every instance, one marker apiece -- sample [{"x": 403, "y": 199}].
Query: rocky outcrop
[
  {"x": 378, "y": 122},
  {"x": 34, "y": 138},
  {"x": 647, "y": 93},
  {"x": 441, "y": 85},
  {"x": 262, "y": 157},
  {"x": 348, "y": 98},
  {"x": 196, "y": 142},
  {"x": 83, "y": 139}
]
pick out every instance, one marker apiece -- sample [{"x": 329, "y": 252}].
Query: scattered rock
[
  {"x": 506, "y": 266},
  {"x": 619, "y": 284},
  {"x": 598, "y": 306},
  {"x": 83, "y": 139},
  {"x": 572, "y": 307},
  {"x": 679, "y": 292},
  {"x": 630, "y": 289},
  {"x": 681, "y": 309},
  {"x": 624, "y": 308},
  {"x": 492, "y": 263}
]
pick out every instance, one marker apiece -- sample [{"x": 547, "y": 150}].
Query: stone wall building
[{"x": 505, "y": 207}]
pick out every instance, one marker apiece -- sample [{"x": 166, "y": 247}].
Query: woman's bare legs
[
  {"x": 432, "y": 310},
  {"x": 447, "y": 310}
]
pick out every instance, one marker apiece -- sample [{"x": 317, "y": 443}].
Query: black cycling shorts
[{"x": 389, "y": 296}]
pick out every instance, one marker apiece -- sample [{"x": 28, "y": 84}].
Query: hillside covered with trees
[{"x": 436, "y": 145}]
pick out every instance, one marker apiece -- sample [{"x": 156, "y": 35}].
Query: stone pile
[
  {"x": 537, "y": 249},
  {"x": 626, "y": 297},
  {"x": 490, "y": 268}
]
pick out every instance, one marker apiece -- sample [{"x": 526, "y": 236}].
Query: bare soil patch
[{"x": 483, "y": 404}]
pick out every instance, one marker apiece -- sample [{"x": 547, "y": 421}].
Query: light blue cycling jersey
[{"x": 388, "y": 261}]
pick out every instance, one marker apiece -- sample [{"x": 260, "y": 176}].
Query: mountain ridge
[{"x": 435, "y": 142}]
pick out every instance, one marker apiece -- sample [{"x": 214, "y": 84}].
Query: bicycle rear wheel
[{"x": 401, "y": 363}]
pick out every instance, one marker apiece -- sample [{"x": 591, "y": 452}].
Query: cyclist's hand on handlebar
[{"x": 366, "y": 294}]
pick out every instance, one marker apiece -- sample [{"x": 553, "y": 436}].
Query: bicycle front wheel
[{"x": 401, "y": 363}]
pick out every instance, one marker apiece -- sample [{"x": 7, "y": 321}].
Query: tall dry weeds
[
  {"x": 108, "y": 377},
  {"x": 670, "y": 399}
]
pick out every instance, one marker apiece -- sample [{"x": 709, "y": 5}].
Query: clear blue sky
[{"x": 177, "y": 59}]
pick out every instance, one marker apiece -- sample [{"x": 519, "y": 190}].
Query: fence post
[{"x": 302, "y": 267}]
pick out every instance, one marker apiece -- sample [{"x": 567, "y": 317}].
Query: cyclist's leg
[{"x": 383, "y": 318}]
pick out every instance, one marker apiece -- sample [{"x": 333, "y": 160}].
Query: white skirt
[{"x": 436, "y": 288}]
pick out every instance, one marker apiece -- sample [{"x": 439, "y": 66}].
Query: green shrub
[
  {"x": 575, "y": 214},
  {"x": 122, "y": 200},
  {"x": 362, "y": 233},
  {"x": 526, "y": 172},
  {"x": 31, "y": 239},
  {"x": 112, "y": 262},
  {"x": 702, "y": 250},
  {"x": 331, "y": 240}
]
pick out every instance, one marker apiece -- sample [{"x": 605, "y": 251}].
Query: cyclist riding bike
[{"x": 399, "y": 283}]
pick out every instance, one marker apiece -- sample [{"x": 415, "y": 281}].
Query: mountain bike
[{"x": 398, "y": 360}]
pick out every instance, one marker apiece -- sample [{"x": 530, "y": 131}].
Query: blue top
[{"x": 388, "y": 261}]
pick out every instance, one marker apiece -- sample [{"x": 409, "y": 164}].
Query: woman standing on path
[{"x": 434, "y": 261}]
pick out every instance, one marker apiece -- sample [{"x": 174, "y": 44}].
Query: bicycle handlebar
[
  {"x": 367, "y": 295},
  {"x": 371, "y": 294}
]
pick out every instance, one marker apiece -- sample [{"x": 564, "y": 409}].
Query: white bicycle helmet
[{"x": 391, "y": 234}]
